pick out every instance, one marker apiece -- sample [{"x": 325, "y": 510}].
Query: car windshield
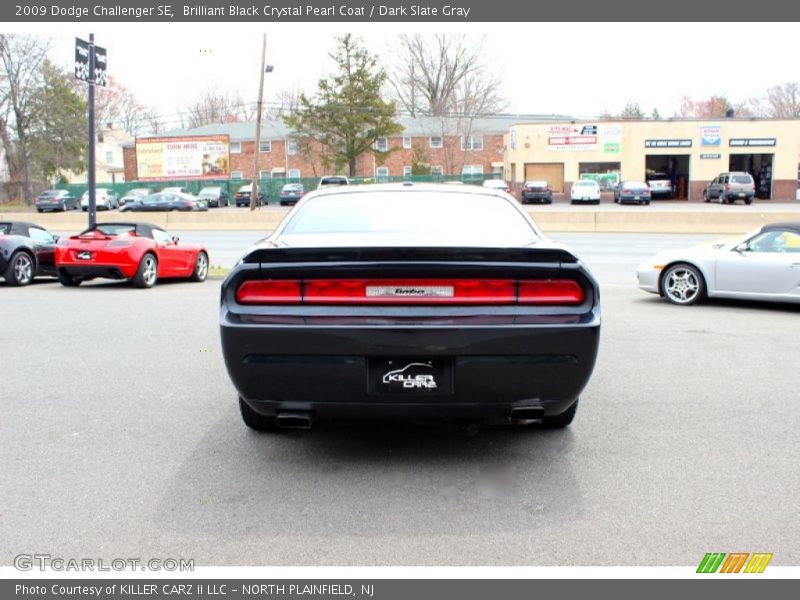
[
  {"x": 585, "y": 184},
  {"x": 470, "y": 216},
  {"x": 50, "y": 194},
  {"x": 210, "y": 191},
  {"x": 292, "y": 187},
  {"x": 741, "y": 179},
  {"x": 246, "y": 188}
]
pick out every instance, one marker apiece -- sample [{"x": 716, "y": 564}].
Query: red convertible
[{"x": 139, "y": 252}]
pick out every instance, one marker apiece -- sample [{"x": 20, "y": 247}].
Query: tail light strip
[{"x": 410, "y": 291}]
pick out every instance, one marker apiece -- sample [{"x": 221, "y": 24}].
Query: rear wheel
[
  {"x": 200, "y": 267},
  {"x": 683, "y": 284},
  {"x": 256, "y": 421},
  {"x": 562, "y": 420},
  {"x": 748, "y": 200},
  {"x": 20, "y": 269},
  {"x": 147, "y": 273}
]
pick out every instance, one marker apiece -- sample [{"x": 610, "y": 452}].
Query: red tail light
[
  {"x": 727, "y": 187},
  {"x": 626, "y": 191},
  {"x": 410, "y": 291}
]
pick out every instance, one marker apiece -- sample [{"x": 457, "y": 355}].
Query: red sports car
[{"x": 139, "y": 252}]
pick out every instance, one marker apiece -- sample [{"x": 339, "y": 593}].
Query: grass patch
[
  {"x": 15, "y": 207},
  {"x": 218, "y": 272}
]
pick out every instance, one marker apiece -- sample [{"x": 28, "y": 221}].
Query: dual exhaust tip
[{"x": 304, "y": 420}]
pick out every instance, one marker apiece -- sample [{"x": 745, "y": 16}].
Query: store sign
[
  {"x": 574, "y": 143},
  {"x": 668, "y": 143},
  {"x": 612, "y": 139},
  {"x": 748, "y": 142},
  {"x": 711, "y": 135},
  {"x": 611, "y": 148},
  {"x": 710, "y": 156},
  {"x": 201, "y": 157}
]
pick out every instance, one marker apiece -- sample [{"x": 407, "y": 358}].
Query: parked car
[
  {"x": 362, "y": 304},
  {"x": 497, "y": 184},
  {"x": 27, "y": 250},
  {"x": 585, "y": 190},
  {"x": 730, "y": 187},
  {"x": 104, "y": 199},
  {"x": 291, "y": 193},
  {"x": 164, "y": 201},
  {"x": 139, "y": 252},
  {"x": 56, "y": 200},
  {"x": 536, "y": 191},
  {"x": 215, "y": 196},
  {"x": 333, "y": 180},
  {"x": 134, "y": 194},
  {"x": 632, "y": 191},
  {"x": 660, "y": 186},
  {"x": 761, "y": 265},
  {"x": 244, "y": 193}
]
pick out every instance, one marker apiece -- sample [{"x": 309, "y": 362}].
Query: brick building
[{"x": 439, "y": 145}]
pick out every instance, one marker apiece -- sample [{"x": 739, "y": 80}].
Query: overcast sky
[{"x": 578, "y": 69}]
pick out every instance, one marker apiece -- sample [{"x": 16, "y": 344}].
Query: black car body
[
  {"x": 291, "y": 193},
  {"x": 244, "y": 193},
  {"x": 536, "y": 191},
  {"x": 214, "y": 196},
  {"x": 56, "y": 200},
  {"x": 165, "y": 201},
  {"x": 360, "y": 305},
  {"x": 27, "y": 250}
]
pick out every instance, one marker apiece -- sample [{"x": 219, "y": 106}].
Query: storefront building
[{"x": 687, "y": 153}]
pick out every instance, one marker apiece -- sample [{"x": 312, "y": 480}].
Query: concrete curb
[{"x": 551, "y": 218}]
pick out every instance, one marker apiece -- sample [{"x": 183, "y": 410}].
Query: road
[{"x": 121, "y": 438}]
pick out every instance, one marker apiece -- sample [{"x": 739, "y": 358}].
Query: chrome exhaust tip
[
  {"x": 294, "y": 420},
  {"x": 525, "y": 415}
]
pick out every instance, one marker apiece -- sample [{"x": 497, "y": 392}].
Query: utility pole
[
  {"x": 91, "y": 173},
  {"x": 257, "y": 149}
]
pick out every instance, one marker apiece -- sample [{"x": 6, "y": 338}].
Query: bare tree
[
  {"x": 715, "y": 107},
  {"x": 781, "y": 101},
  {"x": 286, "y": 102},
  {"x": 444, "y": 73},
  {"x": 218, "y": 107},
  {"x": 21, "y": 58}
]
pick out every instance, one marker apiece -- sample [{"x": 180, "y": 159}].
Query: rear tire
[
  {"x": 748, "y": 201},
  {"x": 21, "y": 269},
  {"x": 562, "y": 420},
  {"x": 256, "y": 421},
  {"x": 147, "y": 273}
]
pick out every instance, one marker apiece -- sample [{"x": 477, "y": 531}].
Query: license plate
[
  {"x": 741, "y": 195},
  {"x": 637, "y": 197},
  {"x": 84, "y": 255},
  {"x": 410, "y": 376}
]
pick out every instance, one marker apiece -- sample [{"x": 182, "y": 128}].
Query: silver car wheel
[
  {"x": 202, "y": 266},
  {"x": 149, "y": 274},
  {"x": 681, "y": 285},
  {"x": 23, "y": 269}
]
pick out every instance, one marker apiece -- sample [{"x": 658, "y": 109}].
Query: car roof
[
  {"x": 17, "y": 224},
  {"x": 793, "y": 225},
  {"x": 143, "y": 229}
]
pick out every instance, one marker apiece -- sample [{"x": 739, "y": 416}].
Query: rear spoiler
[{"x": 392, "y": 254}]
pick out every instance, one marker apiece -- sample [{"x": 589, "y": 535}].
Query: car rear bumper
[
  {"x": 325, "y": 369},
  {"x": 105, "y": 271},
  {"x": 634, "y": 199},
  {"x": 537, "y": 197}
]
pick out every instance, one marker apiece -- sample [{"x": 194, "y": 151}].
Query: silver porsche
[{"x": 762, "y": 265}]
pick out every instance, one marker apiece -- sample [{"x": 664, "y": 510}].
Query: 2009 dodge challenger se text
[{"x": 397, "y": 301}]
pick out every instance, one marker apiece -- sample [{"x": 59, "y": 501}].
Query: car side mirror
[
  {"x": 175, "y": 239},
  {"x": 743, "y": 247},
  {"x": 56, "y": 238}
]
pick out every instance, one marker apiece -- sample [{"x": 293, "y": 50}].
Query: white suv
[
  {"x": 104, "y": 199},
  {"x": 585, "y": 190}
]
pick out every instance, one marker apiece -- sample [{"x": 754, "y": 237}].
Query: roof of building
[{"x": 419, "y": 126}]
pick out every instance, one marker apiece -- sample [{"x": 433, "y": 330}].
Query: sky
[{"x": 580, "y": 69}]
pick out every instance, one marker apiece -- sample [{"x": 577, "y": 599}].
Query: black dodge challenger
[{"x": 399, "y": 301}]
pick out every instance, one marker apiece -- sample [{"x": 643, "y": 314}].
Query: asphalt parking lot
[{"x": 121, "y": 438}]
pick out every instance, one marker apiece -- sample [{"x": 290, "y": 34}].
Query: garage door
[{"x": 552, "y": 173}]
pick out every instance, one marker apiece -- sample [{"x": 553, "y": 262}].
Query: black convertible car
[
  {"x": 27, "y": 250},
  {"x": 409, "y": 301}
]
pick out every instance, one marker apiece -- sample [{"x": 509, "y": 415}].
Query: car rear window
[
  {"x": 50, "y": 194},
  {"x": 333, "y": 181},
  {"x": 742, "y": 179},
  {"x": 115, "y": 229},
  {"x": 416, "y": 213}
]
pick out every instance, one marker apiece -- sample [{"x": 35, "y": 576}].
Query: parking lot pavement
[{"x": 121, "y": 438}]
